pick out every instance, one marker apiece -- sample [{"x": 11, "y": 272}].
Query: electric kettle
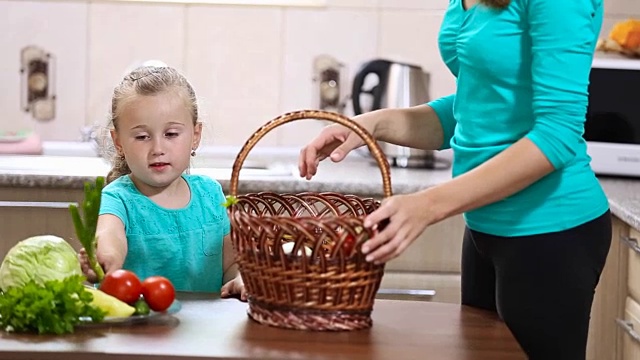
[{"x": 397, "y": 85}]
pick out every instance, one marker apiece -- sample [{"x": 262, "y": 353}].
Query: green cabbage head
[{"x": 41, "y": 258}]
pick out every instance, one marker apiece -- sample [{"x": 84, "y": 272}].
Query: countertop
[
  {"x": 211, "y": 328},
  {"x": 355, "y": 175}
]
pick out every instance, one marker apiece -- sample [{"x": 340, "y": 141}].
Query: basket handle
[{"x": 374, "y": 148}]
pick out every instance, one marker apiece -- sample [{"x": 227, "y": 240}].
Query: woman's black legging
[{"x": 542, "y": 286}]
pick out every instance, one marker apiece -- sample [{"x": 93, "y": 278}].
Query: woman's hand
[
  {"x": 234, "y": 287},
  {"x": 334, "y": 141},
  {"x": 109, "y": 264},
  {"x": 408, "y": 216}
]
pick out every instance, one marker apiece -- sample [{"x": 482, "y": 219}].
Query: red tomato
[
  {"x": 348, "y": 244},
  {"x": 158, "y": 292},
  {"x": 122, "y": 284}
]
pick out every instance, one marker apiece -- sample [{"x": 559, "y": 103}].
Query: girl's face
[{"x": 156, "y": 134}]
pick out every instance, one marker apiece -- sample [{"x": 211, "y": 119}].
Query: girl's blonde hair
[
  {"x": 500, "y": 4},
  {"x": 146, "y": 81}
]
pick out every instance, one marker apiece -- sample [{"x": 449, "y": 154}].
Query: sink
[
  {"x": 92, "y": 166},
  {"x": 218, "y": 168},
  {"x": 80, "y": 159},
  {"x": 53, "y": 165},
  {"x": 224, "y": 172}
]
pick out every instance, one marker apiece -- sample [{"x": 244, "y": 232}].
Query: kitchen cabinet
[
  {"x": 608, "y": 302},
  {"x": 628, "y": 319},
  {"x": 26, "y": 212},
  {"x": 615, "y": 316},
  {"x": 631, "y": 329},
  {"x": 432, "y": 262}
]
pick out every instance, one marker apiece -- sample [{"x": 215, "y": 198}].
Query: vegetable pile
[
  {"x": 41, "y": 281},
  {"x": 55, "y": 306},
  {"x": 42, "y": 288}
]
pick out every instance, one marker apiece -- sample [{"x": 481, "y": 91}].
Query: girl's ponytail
[{"x": 120, "y": 168}]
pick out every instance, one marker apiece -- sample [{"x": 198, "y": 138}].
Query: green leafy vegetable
[
  {"x": 230, "y": 200},
  {"x": 142, "y": 308},
  {"x": 86, "y": 230},
  {"x": 39, "y": 258},
  {"x": 54, "y": 307}
]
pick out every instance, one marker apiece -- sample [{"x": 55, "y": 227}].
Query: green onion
[
  {"x": 86, "y": 225},
  {"x": 230, "y": 200}
]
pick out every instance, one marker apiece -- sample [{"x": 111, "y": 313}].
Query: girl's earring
[{"x": 193, "y": 153}]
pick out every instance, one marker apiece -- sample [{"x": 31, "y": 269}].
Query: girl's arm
[
  {"x": 229, "y": 260},
  {"x": 112, "y": 242},
  {"x": 111, "y": 248},
  {"x": 232, "y": 280}
]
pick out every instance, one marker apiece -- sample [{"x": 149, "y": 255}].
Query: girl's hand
[
  {"x": 234, "y": 287},
  {"x": 408, "y": 216},
  {"x": 108, "y": 263}
]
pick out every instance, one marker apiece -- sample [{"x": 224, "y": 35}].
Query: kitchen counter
[
  {"x": 211, "y": 328},
  {"x": 356, "y": 175}
]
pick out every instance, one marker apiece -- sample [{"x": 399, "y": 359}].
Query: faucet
[
  {"x": 87, "y": 133},
  {"x": 99, "y": 139}
]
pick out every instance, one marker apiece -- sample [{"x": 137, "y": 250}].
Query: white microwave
[{"x": 612, "y": 127}]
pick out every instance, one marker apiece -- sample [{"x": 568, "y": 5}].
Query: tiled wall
[{"x": 247, "y": 63}]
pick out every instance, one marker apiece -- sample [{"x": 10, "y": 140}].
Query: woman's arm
[
  {"x": 427, "y": 126},
  {"x": 490, "y": 182}
]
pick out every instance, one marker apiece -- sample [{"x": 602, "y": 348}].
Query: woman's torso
[{"x": 490, "y": 53}]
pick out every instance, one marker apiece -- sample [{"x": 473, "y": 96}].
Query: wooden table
[{"x": 211, "y": 328}]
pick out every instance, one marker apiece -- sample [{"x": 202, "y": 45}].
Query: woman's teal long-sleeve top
[{"x": 523, "y": 72}]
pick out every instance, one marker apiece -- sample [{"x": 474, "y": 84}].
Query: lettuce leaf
[{"x": 53, "y": 307}]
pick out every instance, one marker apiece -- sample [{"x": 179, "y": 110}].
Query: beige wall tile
[
  {"x": 234, "y": 61},
  {"x": 121, "y": 36},
  {"x": 58, "y": 28},
  {"x": 353, "y": 3},
  {"x": 412, "y": 36},
  {"x": 623, "y": 8},
  {"x": 310, "y": 33},
  {"x": 414, "y": 4},
  {"x": 247, "y": 63}
]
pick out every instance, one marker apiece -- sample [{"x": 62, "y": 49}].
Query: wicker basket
[{"x": 299, "y": 254}]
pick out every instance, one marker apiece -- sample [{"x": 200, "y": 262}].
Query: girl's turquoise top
[{"x": 183, "y": 245}]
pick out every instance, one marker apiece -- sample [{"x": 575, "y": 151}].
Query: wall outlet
[
  {"x": 38, "y": 95},
  {"x": 328, "y": 80}
]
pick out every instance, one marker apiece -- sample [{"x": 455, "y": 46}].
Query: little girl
[{"x": 155, "y": 219}]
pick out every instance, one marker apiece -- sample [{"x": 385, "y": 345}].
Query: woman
[{"x": 538, "y": 223}]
